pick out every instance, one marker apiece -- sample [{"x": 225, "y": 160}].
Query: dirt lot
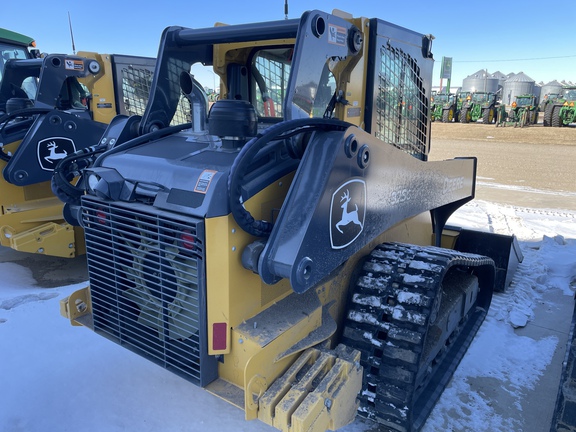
[
  {"x": 536, "y": 134},
  {"x": 531, "y": 166}
]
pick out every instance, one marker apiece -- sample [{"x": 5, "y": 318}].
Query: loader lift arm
[{"x": 390, "y": 186}]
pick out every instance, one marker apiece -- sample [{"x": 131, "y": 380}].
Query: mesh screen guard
[{"x": 147, "y": 284}]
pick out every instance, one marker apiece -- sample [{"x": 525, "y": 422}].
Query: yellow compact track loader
[
  {"x": 50, "y": 107},
  {"x": 287, "y": 250}
]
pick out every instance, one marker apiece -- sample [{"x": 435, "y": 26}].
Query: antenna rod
[
  {"x": 285, "y": 9},
  {"x": 72, "y": 34}
]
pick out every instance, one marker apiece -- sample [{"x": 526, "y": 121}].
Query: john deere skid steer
[
  {"x": 288, "y": 249},
  {"x": 51, "y": 107}
]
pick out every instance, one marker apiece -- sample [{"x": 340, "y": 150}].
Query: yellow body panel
[
  {"x": 101, "y": 87},
  {"x": 31, "y": 219},
  {"x": 235, "y": 293},
  {"x": 351, "y": 75}
]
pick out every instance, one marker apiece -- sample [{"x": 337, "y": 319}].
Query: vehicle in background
[
  {"x": 51, "y": 107},
  {"x": 523, "y": 111},
  {"x": 562, "y": 110},
  {"x": 479, "y": 106}
]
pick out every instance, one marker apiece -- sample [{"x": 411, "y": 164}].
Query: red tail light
[
  {"x": 101, "y": 217},
  {"x": 188, "y": 240},
  {"x": 219, "y": 333}
]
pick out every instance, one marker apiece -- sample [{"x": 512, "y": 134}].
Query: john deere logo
[
  {"x": 347, "y": 212},
  {"x": 52, "y": 150}
]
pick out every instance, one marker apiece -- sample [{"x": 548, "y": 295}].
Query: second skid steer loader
[{"x": 51, "y": 107}]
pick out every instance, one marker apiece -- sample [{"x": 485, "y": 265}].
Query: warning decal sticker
[
  {"x": 204, "y": 180},
  {"x": 71, "y": 64},
  {"x": 336, "y": 35}
]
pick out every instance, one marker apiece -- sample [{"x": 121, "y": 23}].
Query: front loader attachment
[{"x": 503, "y": 249}]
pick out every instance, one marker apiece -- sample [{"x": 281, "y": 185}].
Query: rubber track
[{"x": 388, "y": 321}]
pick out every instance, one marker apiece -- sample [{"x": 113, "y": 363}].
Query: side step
[
  {"x": 55, "y": 239},
  {"x": 317, "y": 393}
]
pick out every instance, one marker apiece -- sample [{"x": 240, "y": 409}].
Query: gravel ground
[
  {"x": 536, "y": 134},
  {"x": 531, "y": 166}
]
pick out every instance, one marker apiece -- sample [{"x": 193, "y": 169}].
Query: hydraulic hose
[
  {"x": 70, "y": 167},
  {"x": 74, "y": 164},
  {"x": 245, "y": 158}
]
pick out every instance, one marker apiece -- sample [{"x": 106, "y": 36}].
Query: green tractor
[
  {"x": 436, "y": 106},
  {"x": 547, "y": 106},
  {"x": 524, "y": 110},
  {"x": 15, "y": 46},
  {"x": 461, "y": 97},
  {"x": 479, "y": 105},
  {"x": 444, "y": 107},
  {"x": 562, "y": 110},
  {"x": 547, "y": 99}
]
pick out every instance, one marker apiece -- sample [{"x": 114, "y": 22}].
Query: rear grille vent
[{"x": 147, "y": 284}]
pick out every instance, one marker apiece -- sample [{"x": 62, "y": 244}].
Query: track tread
[{"x": 388, "y": 323}]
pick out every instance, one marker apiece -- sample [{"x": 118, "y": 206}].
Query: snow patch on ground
[
  {"x": 528, "y": 189},
  {"x": 55, "y": 377}
]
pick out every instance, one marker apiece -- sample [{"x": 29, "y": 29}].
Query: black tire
[
  {"x": 542, "y": 106},
  {"x": 464, "y": 116},
  {"x": 488, "y": 116},
  {"x": 547, "y": 120},
  {"x": 448, "y": 115},
  {"x": 556, "y": 121}
]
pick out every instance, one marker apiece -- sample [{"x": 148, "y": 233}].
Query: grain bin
[
  {"x": 501, "y": 79},
  {"x": 537, "y": 91},
  {"x": 551, "y": 87},
  {"x": 480, "y": 81},
  {"x": 517, "y": 85}
]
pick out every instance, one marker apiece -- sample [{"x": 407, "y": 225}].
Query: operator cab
[{"x": 19, "y": 84}]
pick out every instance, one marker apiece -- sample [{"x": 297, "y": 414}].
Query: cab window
[{"x": 270, "y": 73}]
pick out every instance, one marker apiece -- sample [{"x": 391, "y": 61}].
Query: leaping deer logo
[
  {"x": 348, "y": 217},
  {"x": 54, "y": 156}
]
